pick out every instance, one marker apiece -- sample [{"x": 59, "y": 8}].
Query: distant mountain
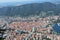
[
  {"x": 11, "y": 4},
  {"x": 42, "y": 9},
  {"x": 16, "y": 3}
]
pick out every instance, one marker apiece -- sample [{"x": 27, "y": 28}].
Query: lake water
[{"x": 56, "y": 28}]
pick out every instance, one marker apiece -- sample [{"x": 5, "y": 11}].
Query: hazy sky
[{"x": 3, "y": 1}]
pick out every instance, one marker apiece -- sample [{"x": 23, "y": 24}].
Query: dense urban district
[{"x": 31, "y": 28}]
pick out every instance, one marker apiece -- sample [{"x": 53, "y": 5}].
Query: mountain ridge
[{"x": 31, "y": 9}]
